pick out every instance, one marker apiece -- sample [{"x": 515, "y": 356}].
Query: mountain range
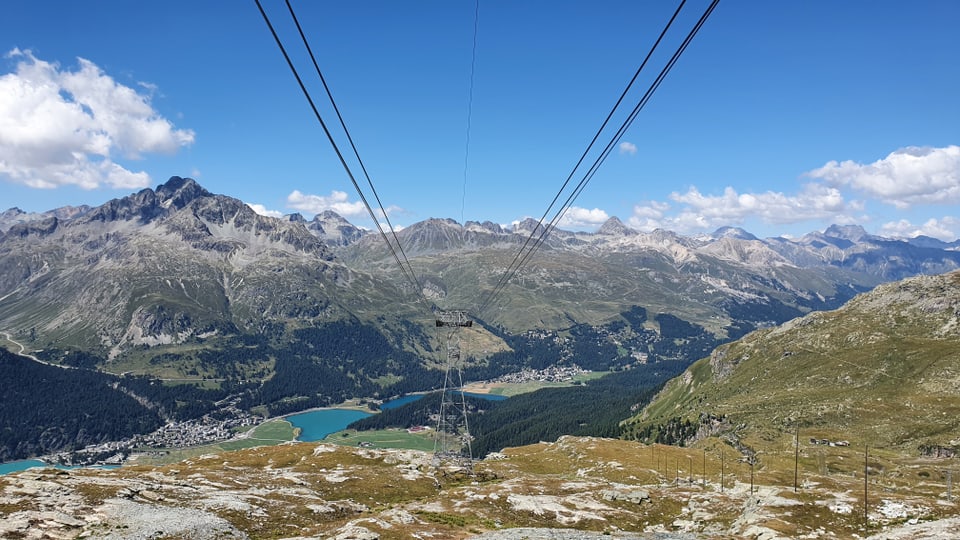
[{"x": 179, "y": 264}]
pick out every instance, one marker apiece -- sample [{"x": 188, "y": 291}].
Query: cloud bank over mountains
[{"x": 906, "y": 178}]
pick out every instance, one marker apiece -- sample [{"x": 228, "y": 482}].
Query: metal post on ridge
[{"x": 452, "y": 446}]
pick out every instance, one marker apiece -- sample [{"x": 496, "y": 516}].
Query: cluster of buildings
[
  {"x": 173, "y": 435},
  {"x": 550, "y": 374},
  {"x": 204, "y": 430}
]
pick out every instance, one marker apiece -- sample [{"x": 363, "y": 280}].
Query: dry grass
[{"x": 581, "y": 483}]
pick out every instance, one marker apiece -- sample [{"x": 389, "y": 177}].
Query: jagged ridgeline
[{"x": 884, "y": 371}]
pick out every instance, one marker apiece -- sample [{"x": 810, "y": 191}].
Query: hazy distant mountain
[
  {"x": 15, "y": 216},
  {"x": 330, "y": 227}
]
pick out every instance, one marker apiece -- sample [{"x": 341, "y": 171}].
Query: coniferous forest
[
  {"x": 44, "y": 409},
  {"x": 591, "y": 409}
]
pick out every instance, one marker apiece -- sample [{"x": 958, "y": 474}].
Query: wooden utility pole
[
  {"x": 866, "y": 454},
  {"x": 721, "y": 470},
  {"x": 949, "y": 484},
  {"x": 796, "y": 458},
  {"x": 703, "y": 478}
]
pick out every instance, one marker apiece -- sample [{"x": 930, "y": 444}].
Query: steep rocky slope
[
  {"x": 884, "y": 371},
  {"x": 160, "y": 267}
]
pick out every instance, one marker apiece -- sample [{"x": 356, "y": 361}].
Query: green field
[
  {"x": 388, "y": 438},
  {"x": 279, "y": 431},
  {"x": 513, "y": 389}
]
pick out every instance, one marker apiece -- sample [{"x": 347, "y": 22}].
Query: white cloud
[
  {"x": 943, "y": 229},
  {"x": 336, "y": 201},
  {"x": 582, "y": 217},
  {"x": 698, "y": 212},
  {"x": 814, "y": 201},
  {"x": 263, "y": 211},
  {"x": 628, "y": 148},
  {"x": 61, "y": 127},
  {"x": 907, "y": 177},
  {"x": 649, "y": 216}
]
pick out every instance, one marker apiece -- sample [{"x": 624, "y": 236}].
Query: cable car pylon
[{"x": 452, "y": 451}]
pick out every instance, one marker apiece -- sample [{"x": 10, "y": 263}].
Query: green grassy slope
[{"x": 884, "y": 370}]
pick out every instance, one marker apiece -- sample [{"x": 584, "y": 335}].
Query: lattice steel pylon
[{"x": 452, "y": 445}]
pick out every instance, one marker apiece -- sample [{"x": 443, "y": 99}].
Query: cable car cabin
[{"x": 453, "y": 318}]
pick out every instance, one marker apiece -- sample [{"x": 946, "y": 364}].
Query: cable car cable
[
  {"x": 514, "y": 266},
  {"x": 346, "y": 131},
  {"x": 623, "y": 128},
  {"x": 409, "y": 276}
]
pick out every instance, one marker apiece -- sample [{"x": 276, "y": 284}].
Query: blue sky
[{"x": 781, "y": 117}]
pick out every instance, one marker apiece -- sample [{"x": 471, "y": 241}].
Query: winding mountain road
[{"x": 25, "y": 354}]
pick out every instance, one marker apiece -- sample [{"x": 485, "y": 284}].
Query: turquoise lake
[
  {"x": 17, "y": 466},
  {"x": 394, "y": 403},
  {"x": 315, "y": 425},
  {"x": 409, "y": 398}
]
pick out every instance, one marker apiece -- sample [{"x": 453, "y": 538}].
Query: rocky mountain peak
[
  {"x": 854, "y": 233},
  {"x": 487, "y": 226},
  {"x": 14, "y": 216},
  {"x": 733, "y": 232},
  {"x": 295, "y": 217},
  {"x": 924, "y": 241},
  {"x": 178, "y": 192},
  {"x": 334, "y": 229},
  {"x": 330, "y": 216},
  {"x": 614, "y": 226},
  {"x": 527, "y": 226},
  {"x": 147, "y": 204}
]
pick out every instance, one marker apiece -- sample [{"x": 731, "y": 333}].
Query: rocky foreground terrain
[{"x": 576, "y": 488}]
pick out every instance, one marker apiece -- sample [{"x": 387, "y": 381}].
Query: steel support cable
[
  {"x": 616, "y": 138},
  {"x": 407, "y": 273},
  {"x": 469, "y": 123},
  {"x": 353, "y": 146},
  {"x": 511, "y": 271},
  {"x": 624, "y": 127},
  {"x": 582, "y": 184},
  {"x": 473, "y": 68}
]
